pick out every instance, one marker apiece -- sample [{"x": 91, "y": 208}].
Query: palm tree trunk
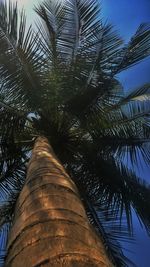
[{"x": 50, "y": 225}]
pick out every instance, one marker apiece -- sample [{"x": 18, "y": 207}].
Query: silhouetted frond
[
  {"x": 4, "y": 231},
  {"x": 20, "y": 58},
  {"x": 112, "y": 232},
  {"x": 137, "y": 49},
  {"x": 106, "y": 178}
]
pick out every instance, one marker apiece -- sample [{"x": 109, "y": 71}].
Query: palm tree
[{"x": 60, "y": 94}]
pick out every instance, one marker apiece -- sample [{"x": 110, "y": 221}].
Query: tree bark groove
[{"x": 50, "y": 226}]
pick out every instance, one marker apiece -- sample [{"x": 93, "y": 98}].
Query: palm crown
[{"x": 59, "y": 81}]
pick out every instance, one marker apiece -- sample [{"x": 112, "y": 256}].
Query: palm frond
[
  {"x": 11, "y": 123},
  {"x": 125, "y": 131},
  {"x": 4, "y": 231},
  {"x": 106, "y": 180},
  {"x": 83, "y": 24},
  {"x": 96, "y": 80},
  {"x": 12, "y": 177},
  {"x": 52, "y": 15},
  {"x": 126, "y": 118},
  {"x": 112, "y": 233},
  {"x": 137, "y": 49},
  {"x": 20, "y": 57},
  {"x": 7, "y": 208},
  {"x": 116, "y": 101}
]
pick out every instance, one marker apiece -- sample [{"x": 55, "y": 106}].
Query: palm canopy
[{"x": 59, "y": 80}]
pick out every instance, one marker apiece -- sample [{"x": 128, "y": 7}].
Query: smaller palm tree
[{"x": 60, "y": 81}]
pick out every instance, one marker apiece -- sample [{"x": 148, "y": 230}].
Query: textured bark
[{"x": 50, "y": 226}]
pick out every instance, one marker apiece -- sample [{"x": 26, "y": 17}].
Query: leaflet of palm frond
[
  {"x": 67, "y": 23},
  {"x": 12, "y": 166},
  {"x": 125, "y": 132},
  {"x": 112, "y": 233},
  {"x": 133, "y": 151},
  {"x": 9, "y": 190},
  {"x": 12, "y": 107},
  {"x": 53, "y": 18},
  {"x": 137, "y": 49},
  {"x": 104, "y": 179},
  {"x": 4, "y": 231},
  {"x": 126, "y": 122},
  {"x": 20, "y": 59},
  {"x": 140, "y": 199},
  {"x": 12, "y": 123},
  {"x": 12, "y": 176},
  {"x": 7, "y": 210},
  {"x": 7, "y": 205},
  {"x": 136, "y": 108},
  {"x": 135, "y": 155},
  {"x": 98, "y": 81},
  {"x": 140, "y": 94}
]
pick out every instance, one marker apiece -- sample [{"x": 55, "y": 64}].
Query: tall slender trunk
[{"x": 50, "y": 225}]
